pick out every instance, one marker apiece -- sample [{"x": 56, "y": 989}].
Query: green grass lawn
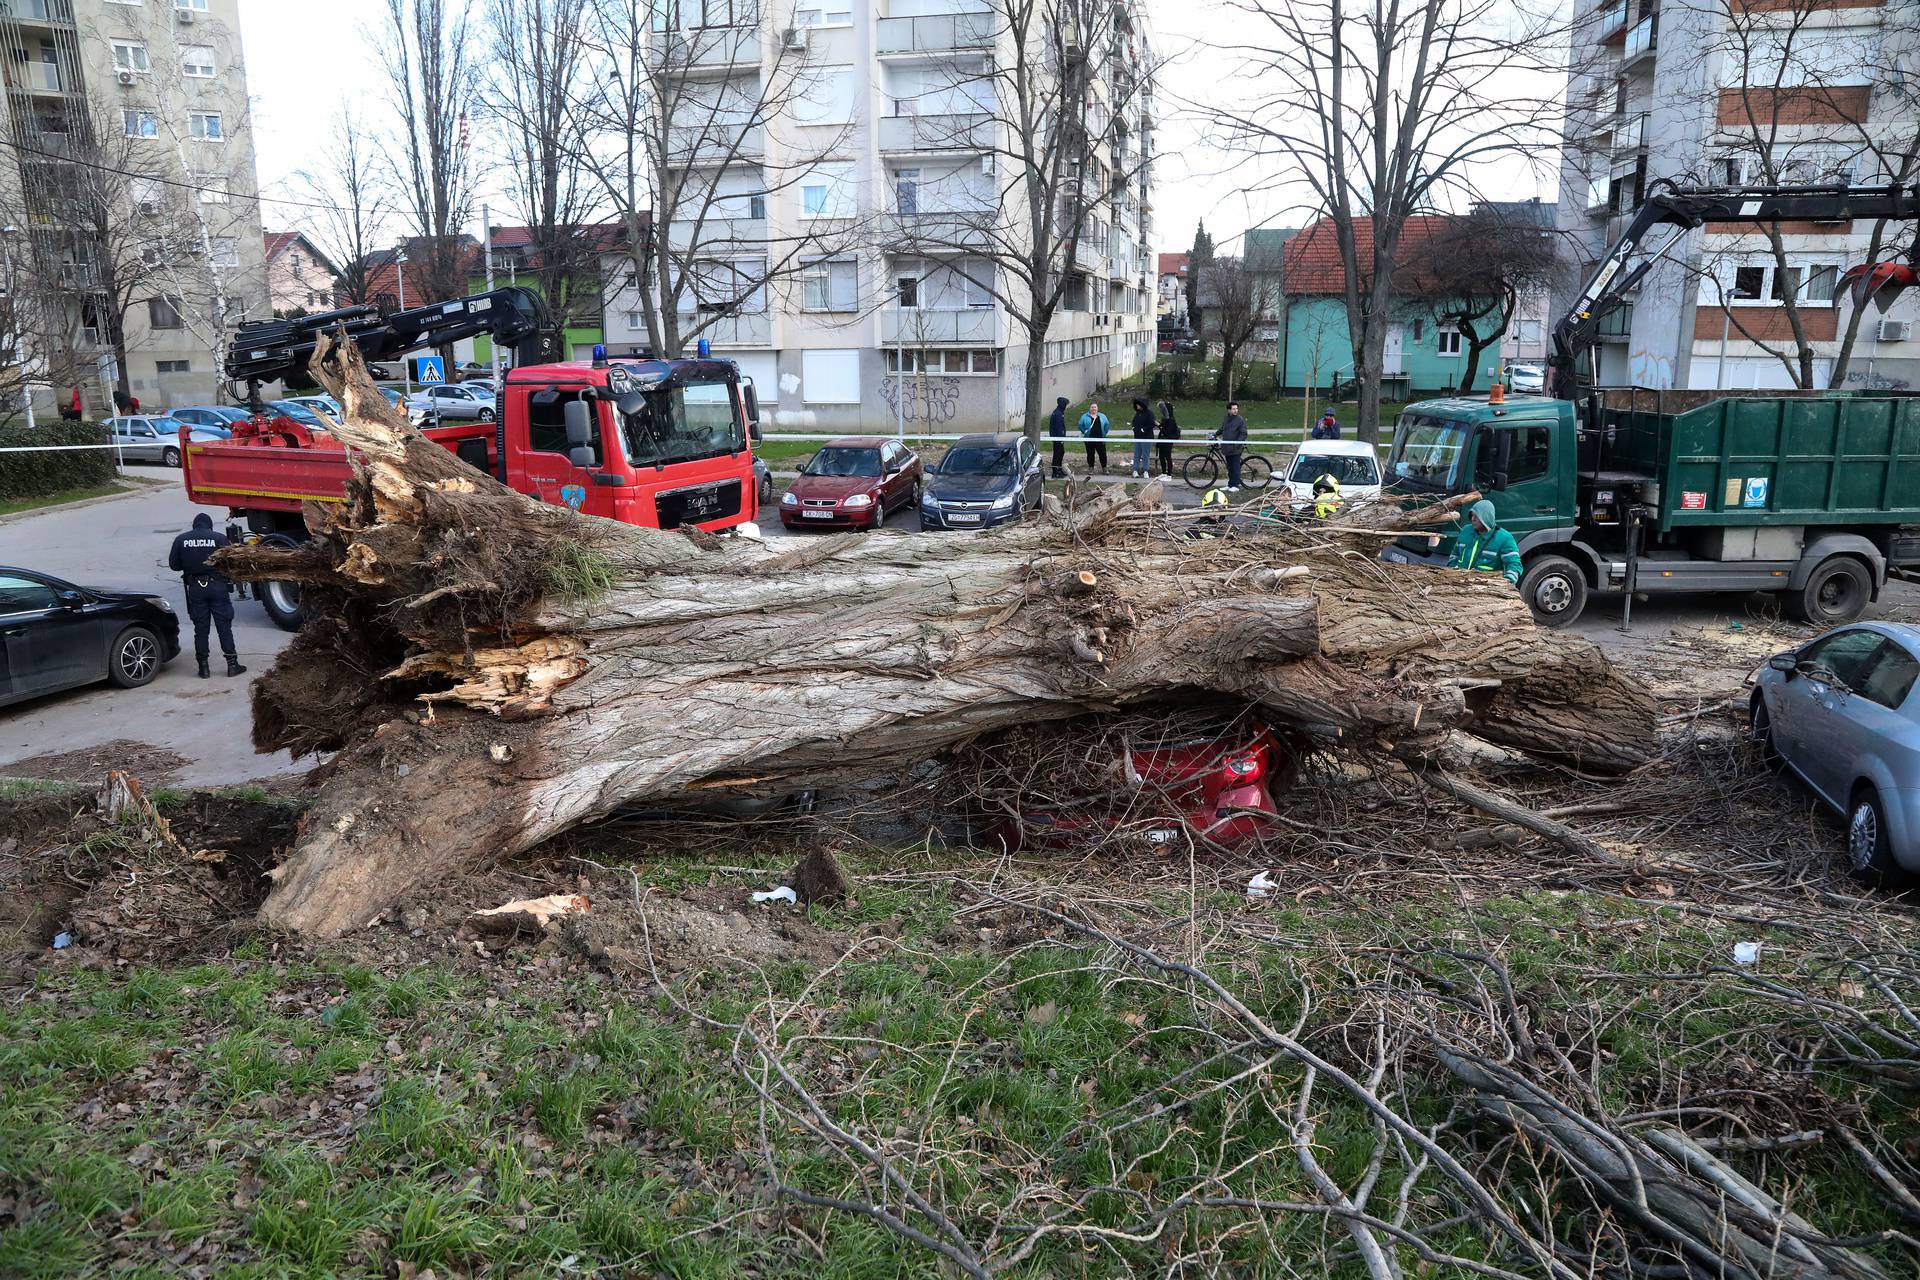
[
  {"x": 342, "y": 1112},
  {"x": 13, "y": 506}
]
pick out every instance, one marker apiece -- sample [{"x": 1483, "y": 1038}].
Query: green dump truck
[{"x": 1813, "y": 496}]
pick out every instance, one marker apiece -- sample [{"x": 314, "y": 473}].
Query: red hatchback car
[
  {"x": 1204, "y": 785},
  {"x": 853, "y": 483}
]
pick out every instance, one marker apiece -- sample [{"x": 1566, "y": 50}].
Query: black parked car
[
  {"x": 984, "y": 480},
  {"x": 54, "y": 635}
]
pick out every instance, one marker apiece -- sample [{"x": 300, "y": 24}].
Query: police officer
[{"x": 207, "y": 590}]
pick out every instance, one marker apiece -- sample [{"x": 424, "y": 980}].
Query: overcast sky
[{"x": 300, "y": 67}]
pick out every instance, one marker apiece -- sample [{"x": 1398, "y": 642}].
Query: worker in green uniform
[{"x": 1485, "y": 546}]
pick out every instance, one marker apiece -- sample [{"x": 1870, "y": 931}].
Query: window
[
  {"x": 908, "y": 290},
  {"x": 1519, "y": 454},
  {"x": 830, "y": 377},
  {"x": 140, "y": 124},
  {"x": 1748, "y": 283},
  {"x": 919, "y": 360},
  {"x": 1891, "y": 678},
  {"x": 173, "y": 366},
  {"x": 130, "y": 55},
  {"x": 224, "y": 251},
  {"x": 757, "y": 207},
  {"x": 547, "y": 421},
  {"x": 1820, "y": 284},
  {"x": 830, "y": 284},
  {"x": 826, "y": 97},
  {"x": 163, "y": 313},
  {"x": 197, "y": 60},
  {"x": 1786, "y": 284},
  {"x": 828, "y": 192},
  {"x": 205, "y": 126},
  {"x": 986, "y": 362},
  {"x": 1526, "y": 332},
  {"x": 906, "y": 191},
  {"x": 24, "y": 595},
  {"x": 146, "y": 194},
  {"x": 1448, "y": 338},
  {"x": 1841, "y": 658},
  {"x": 823, "y": 13},
  {"x": 813, "y": 199},
  {"x": 726, "y": 13},
  {"x": 216, "y": 191},
  {"x": 198, "y": 6}
]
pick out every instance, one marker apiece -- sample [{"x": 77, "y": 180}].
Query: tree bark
[{"x": 479, "y": 708}]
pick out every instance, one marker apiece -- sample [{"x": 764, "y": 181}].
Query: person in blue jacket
[{"x": 1095, "y": 427}]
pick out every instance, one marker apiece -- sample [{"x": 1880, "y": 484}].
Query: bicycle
[{"x": 1204, "y": 470}]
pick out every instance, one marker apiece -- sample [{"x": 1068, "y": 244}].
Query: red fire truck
[{"x": 653, "y": 442}]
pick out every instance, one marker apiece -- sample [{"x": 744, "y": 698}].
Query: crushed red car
[{"x": 1169, "y": 790}]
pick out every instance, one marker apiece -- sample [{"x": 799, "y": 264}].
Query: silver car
[
  {"x": 458, "y": 402},
  {"x": 152, "y": 437},
  {"x": 1840, "y": 711}
]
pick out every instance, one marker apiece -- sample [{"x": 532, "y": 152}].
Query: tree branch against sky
[
  {"x": 1385, "y": 109},
  {"x": 349, "y": 205},
  {"x": 427, "y": 54}
]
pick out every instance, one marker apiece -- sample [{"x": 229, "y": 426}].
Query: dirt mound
[
  {"x": 153, "y": 765},
  {"x": 171, "y": 885}
]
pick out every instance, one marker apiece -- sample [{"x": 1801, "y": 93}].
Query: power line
[{"x": 257, "y": 198}]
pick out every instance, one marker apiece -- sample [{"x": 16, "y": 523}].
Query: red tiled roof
[
  {"x": 277, "y": 242},
  {"x": 1174, "y": 264},
  {"x": 601, "y": 236},
  {"x": 1311, "y": 260}
]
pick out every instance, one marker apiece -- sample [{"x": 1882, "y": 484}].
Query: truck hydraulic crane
[
  {"x": 647, "y": 441},
  {"x": 1677, "y": 210},
  {"x": 1813, "y": 497}
]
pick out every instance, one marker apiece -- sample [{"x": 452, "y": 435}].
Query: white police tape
[{"x": 61, "y": 448}]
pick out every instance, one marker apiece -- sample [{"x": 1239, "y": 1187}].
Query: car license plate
[
  {"x": 818, "y": 515},
  {"x": 963, "y": 518}
]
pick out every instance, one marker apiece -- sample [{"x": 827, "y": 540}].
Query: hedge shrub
[{"x": 40, "y": 475}]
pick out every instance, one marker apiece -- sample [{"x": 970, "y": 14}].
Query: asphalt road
[{"x": 121, "y": 544}]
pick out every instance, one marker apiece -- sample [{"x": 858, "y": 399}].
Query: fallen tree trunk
[{"x": 494, "y": 670}]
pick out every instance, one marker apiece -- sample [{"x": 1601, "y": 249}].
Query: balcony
[
  {"x": 1088, "y": 256},
  {"x": 38, "y": 77},
  {"x": 716, "y": 233},
  {"x": 918, "y": 327},
  {"x": 935, "y": 232},
  {"x": 53, "y": 13},
  {"x": 920, "y": 135},
  {"x": 693, "y": 146},
  {"x": 1642, "y": 41},
  {"x": 707, "y": 49},
  {"x": 898, "y": 38},
  {"x": 752, "y": 329},
  {"x": 1611, "y": 22}
]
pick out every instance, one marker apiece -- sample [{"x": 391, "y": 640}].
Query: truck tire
[
  {"x": 281, "y": 600},
  {"x": 1837, "y": 591},
  {"x": 1555, "y": 590}
]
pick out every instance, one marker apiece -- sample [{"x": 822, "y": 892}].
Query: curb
[{"x": 80, "y": 505}]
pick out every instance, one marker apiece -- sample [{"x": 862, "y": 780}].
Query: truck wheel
[
  {"x": 1555, "y": 589},
  {"x": 1837, "y": 591},
  {"x": 281, "y": 600},
  {"x": 1869, "y": 853}
]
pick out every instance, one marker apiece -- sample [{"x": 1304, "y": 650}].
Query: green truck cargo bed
[{"x": 1839, "y": 459}]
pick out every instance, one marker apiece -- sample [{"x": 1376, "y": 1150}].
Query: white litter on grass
[
  {"x": 1261, "y": 885},
  {"x": 61, "y": 941},
  {"x": 784, "y": 893},
  {"x": 1746, "y": 953}
]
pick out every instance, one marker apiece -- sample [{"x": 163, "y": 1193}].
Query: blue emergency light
[
  {"x": 599, "y": 355},
  {"x": 704, "y": 347}
]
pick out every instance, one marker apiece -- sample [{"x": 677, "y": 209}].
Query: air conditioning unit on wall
[
  {"x": 127, "y": 77},
  {"x": 183, "y": 16},
  {"x": 1896, "y": 330}
]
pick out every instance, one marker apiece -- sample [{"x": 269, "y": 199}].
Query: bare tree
[
  {"x": 1471, "y": 271},
  {"x": 352, "y": 206},
  {"x": 432, "y": 83},
  {"x": 539, "y": 53},
  {"x": 1381, "y": 110},
  {"x": 1233, "y": 301},
  {"x": 1803, "y": 102},
  {"x": 672, "y": 122}
]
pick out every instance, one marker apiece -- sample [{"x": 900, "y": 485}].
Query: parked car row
[
  {"x": 856, "y": 482},
  {"x": 155, "y": 437}
]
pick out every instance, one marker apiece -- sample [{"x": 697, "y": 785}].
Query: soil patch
[{"x": 152, "y": 765}]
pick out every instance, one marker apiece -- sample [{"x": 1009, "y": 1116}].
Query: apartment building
[
  {"x": 882, "y": 185},
  {"x": 1724, "y": 92},
  {"x": 130, "y": 196}
]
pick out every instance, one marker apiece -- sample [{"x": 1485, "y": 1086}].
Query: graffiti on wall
[
  {"x": 1871, "y": 380},
  {"x": 1650, "y": 369},
  {"x": 929, "y": 400}
]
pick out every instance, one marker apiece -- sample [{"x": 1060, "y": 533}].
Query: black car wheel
[
  {"x": 170, "y": 456},
  {"x": 1869, "y": 855},
  {"x": 486, "y": 415},
  {"x": 135, "y": 658},
  {"x": 1760, "y": 731}
]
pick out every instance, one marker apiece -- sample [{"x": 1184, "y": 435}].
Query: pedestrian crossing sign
[{"x": 428, "y": 370}]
